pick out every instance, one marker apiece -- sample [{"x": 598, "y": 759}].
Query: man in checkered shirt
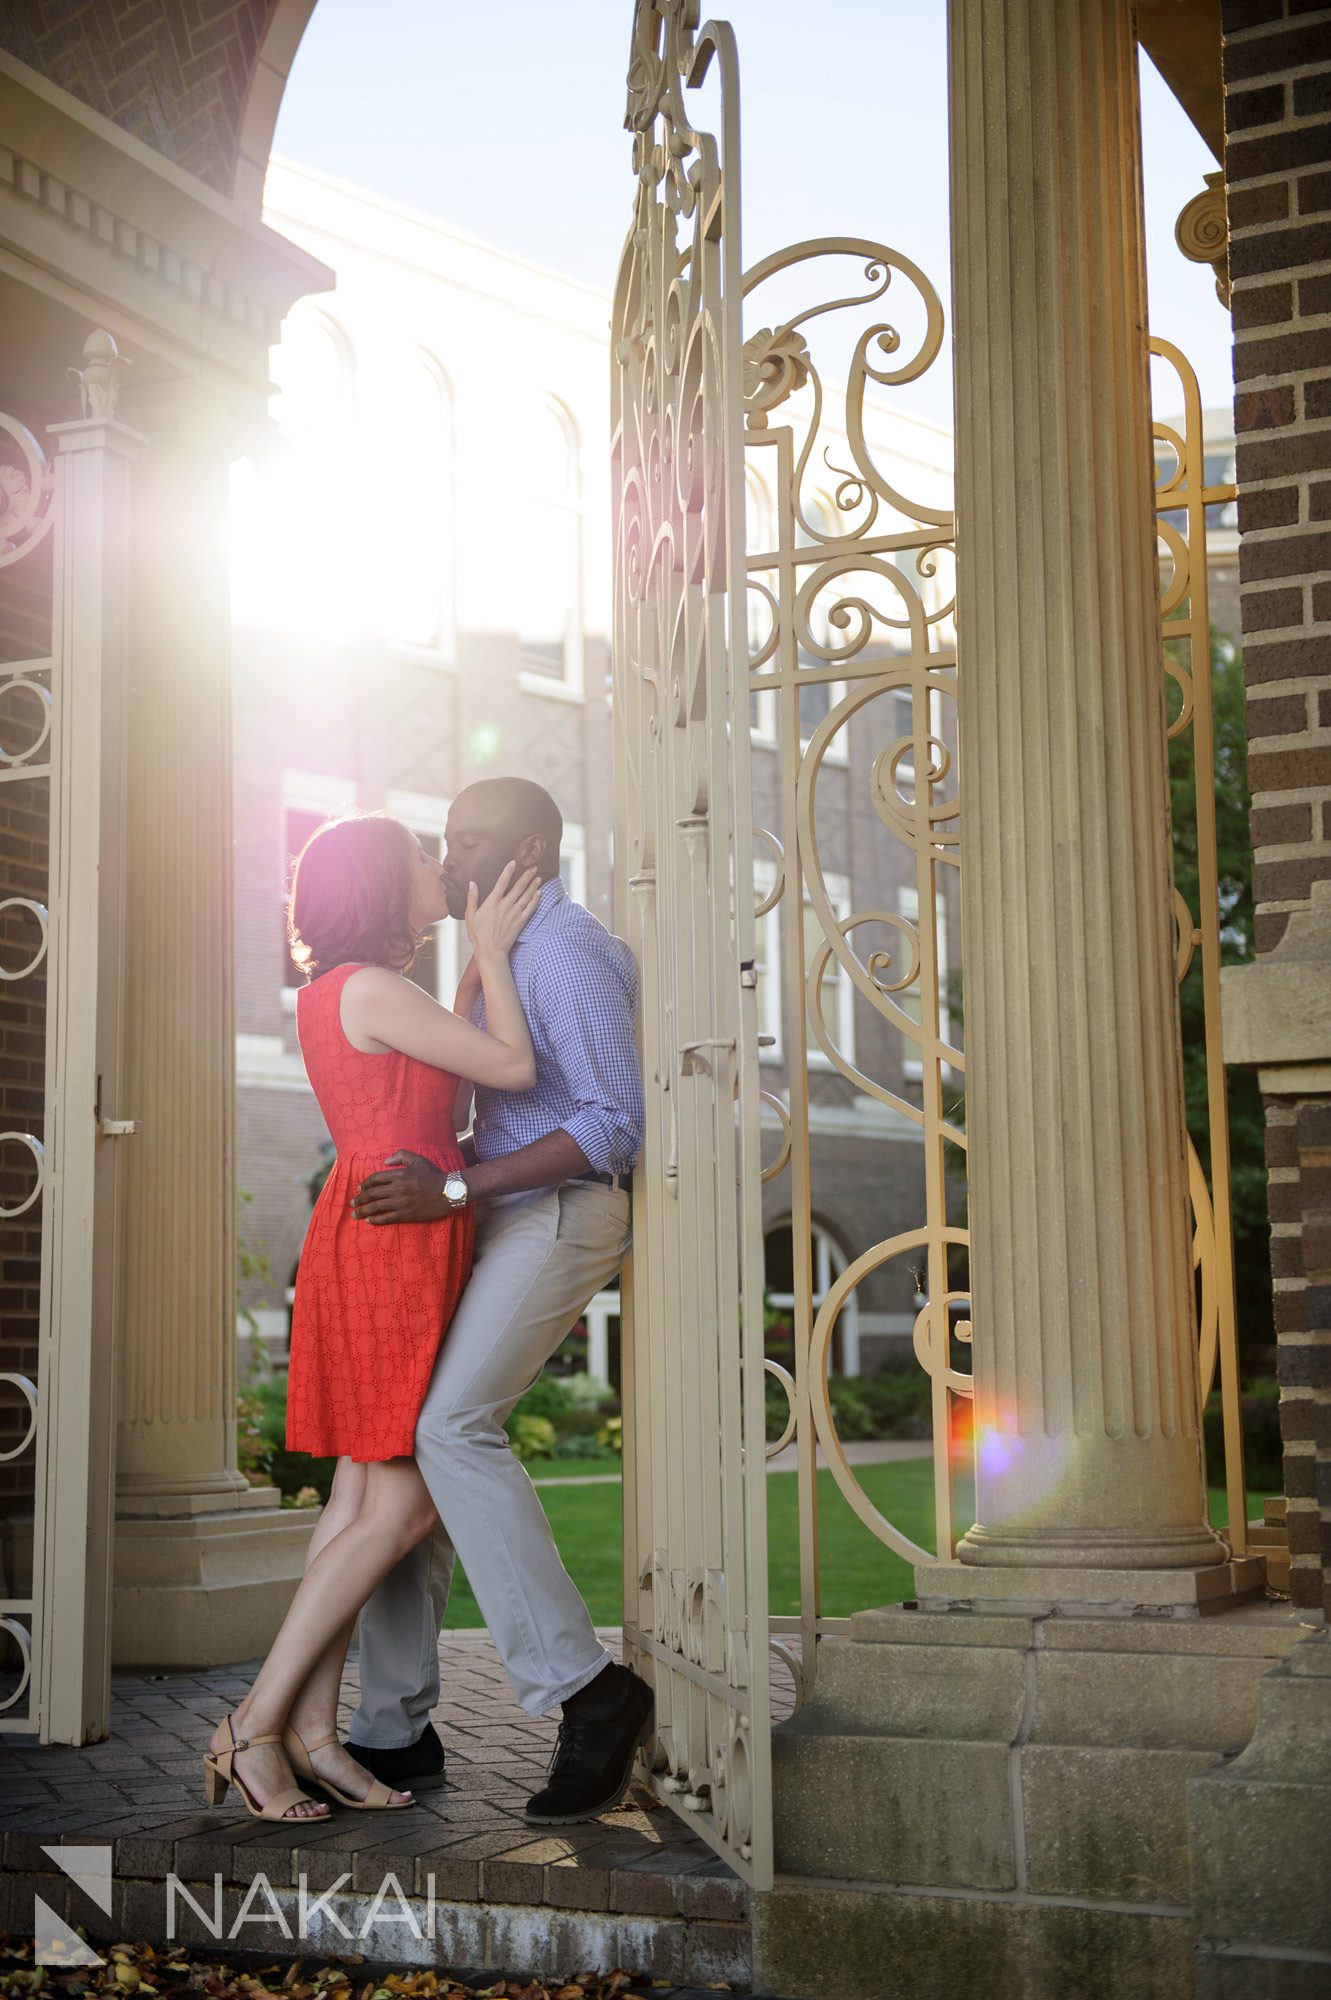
[{"x": 552, "y": 1167}]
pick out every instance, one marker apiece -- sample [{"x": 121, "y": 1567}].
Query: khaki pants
[{"x": 538, "y": 1261}]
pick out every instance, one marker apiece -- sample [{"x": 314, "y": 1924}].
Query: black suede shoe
[
  {"x": 593, "y": 1762},
  {"x": 416, "y": 1767}
]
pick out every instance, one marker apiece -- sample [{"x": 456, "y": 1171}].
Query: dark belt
[{"x": 608, "y": 1180}]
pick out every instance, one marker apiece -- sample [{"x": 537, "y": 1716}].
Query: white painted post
[
  {"x": 597, "y": 1317},
  {"x": 87, "y": 1125}
]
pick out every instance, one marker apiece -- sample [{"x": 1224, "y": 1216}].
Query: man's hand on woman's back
[{"x": 409, "y": 1190}]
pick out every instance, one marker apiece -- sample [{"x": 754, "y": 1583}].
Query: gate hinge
[{"x": 748, "y": 975}]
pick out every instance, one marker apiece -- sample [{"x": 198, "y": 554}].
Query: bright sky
[{"x": 506, "y": 120}]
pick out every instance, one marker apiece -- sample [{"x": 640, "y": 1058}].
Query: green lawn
[{"x": 857, "y": 1570}]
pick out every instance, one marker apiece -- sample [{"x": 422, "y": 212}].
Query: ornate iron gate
[
  {"x": 61, "y": 787},
  {"x": 784, "y": 570},
  {"x": 853, "y": 680},
  {"x": 695, "y": 1586}
]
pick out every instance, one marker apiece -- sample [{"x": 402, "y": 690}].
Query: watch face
[{"x": 455, "y": 1189}]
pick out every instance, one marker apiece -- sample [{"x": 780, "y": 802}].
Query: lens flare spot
[
  {"x": 995, "y": 1451},
  {"x": 483, "y": 743}
]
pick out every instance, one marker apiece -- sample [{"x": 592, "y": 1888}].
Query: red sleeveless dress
[{"x": 372, "y": 1302}]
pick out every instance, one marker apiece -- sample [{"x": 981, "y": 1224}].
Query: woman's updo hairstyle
[{"x": 350, "y": 889}]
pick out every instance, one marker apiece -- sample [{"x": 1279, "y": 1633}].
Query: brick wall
[
  {"x": 1278, "y": 174},
  {"x": 174, "y": 75},
  {"x": 1298, "y": 1152}
]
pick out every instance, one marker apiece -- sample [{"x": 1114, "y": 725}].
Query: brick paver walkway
[{"x": 636, "y": 1887}]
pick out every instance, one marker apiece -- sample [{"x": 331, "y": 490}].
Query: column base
[
  {"x": 965, "y": 1790},
  {"x": 1035, "y": 1589},
  {"x": 1195, "y": 1546},
  {"x": 197, "y": 1589}
]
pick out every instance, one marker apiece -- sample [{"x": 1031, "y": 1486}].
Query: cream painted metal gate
[
  {"x": 62, "y": 742},
  {"x": 695, "y": 1586},
  {"x": 786, "y": 693}
]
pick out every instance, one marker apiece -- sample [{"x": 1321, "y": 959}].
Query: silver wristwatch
[{"x": 456, "y": 1192}]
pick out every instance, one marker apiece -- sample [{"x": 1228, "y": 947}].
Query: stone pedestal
[
  {"x": 1088, "y": 1454},
  {"x": 1261, "y": 1844},
  {"x": 1000, "y": 1802},
  {"x": 202, "y": 1561}
]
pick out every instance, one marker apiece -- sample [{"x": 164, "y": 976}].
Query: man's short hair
[{"x": 527, "y": 807}]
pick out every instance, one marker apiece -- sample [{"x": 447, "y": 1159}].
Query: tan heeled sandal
[
  {"x": 379, "y": 1798},
  {"x": 219, "y": 1771}
]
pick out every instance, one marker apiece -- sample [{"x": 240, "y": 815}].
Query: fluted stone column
[
  {"x": 205, "y": 1564},
  {"x": 1089, "y": 1476},
  {"x": 177, "y": 1385}
]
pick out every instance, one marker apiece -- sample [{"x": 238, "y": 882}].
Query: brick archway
[{"x": 263, "y": 98}]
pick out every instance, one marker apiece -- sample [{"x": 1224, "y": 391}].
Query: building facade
[{"x": 421, "y": 593}]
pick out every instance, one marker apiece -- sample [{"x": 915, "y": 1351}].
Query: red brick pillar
[{"x": 1277, "y": 61}]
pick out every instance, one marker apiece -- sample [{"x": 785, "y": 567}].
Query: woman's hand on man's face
[{"x": 496, "y": 924}]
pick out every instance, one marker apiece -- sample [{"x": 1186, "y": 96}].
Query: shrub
[
  {"x": 292, "y": 1472},
  {"x": 531, "y": 1437},
  {"x": 548, "y": 1396},
  {"x": 585, "y": 1446},
  {"x": 254, "y": 1449},
  {"x": 901, "y": 1401},
  {"x": 611, "y": 1435},
  {"x": 854, "y": 1418},
  {"x": 778, "y": 1409},
  {"x": 893, "y": 1404},
  {"x": 588, "y": 1392}
]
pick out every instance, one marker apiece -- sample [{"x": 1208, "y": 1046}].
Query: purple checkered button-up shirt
[{"x": 578, "y": 986}]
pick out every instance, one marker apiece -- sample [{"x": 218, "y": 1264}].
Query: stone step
[{"x": 396, "y": 1899}]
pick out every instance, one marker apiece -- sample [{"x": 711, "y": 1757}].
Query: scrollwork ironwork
[
  {"x": 856, "y": 604},
  {"x": 25, "y": 492}
]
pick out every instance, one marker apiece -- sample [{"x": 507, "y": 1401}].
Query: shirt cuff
[{"x": 589, "y": 1129}]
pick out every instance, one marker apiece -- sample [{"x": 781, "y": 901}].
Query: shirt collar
[{"x": 553, "y": 893}]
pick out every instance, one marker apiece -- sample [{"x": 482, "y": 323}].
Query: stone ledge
[
  {"x": 392, "y": 1925},
  {"x": 1034, "y": 1591},
  {"x": 1277, "y": 1011}
]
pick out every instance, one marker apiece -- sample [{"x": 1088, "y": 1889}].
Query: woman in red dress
[{"x": 372, "y": 1305}]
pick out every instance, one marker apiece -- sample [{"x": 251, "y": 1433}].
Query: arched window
[
  {"x": 829, "y": 1260},
  {"x": 312, "y": 373},
  {"x": 289, "y": 505},
  {"x": 410, "y": 417},
  {"x": 547, "y": 566}
]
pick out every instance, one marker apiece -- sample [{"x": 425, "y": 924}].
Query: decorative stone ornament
[
  {"x": 1202, "y": 233},
  {"x": 99, "y": 377}
]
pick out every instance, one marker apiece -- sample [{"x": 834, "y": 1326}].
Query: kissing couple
[{"x": 435, "y": 1282}]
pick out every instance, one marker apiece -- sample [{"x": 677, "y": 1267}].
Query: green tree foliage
[{"x": 1234, "y": 856}]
